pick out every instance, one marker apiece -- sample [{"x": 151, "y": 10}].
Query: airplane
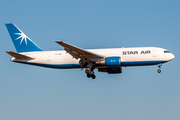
[{"x": 109, "y": 60}]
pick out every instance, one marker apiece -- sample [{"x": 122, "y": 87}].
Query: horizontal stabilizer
[{"x": 19, "y": 56}]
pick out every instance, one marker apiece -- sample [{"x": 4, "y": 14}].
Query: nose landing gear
[{"x": 159, "y": 66}]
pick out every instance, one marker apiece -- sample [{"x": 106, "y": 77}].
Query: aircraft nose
[{"x": 172, "y": 57}]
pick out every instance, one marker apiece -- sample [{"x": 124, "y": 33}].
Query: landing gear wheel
[
  {"x": 88, "y": 75},
  {"x": 93, "y": 76},
  {"x": 159, "y": 71}
]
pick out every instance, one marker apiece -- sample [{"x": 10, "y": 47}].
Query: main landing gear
[
  {"x": 90, "y": 73},
  {"x": 159, "y": 66},
  {"x": 89, "y": 68}
]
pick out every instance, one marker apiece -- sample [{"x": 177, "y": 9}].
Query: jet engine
[{"x": 110, "y": 61}]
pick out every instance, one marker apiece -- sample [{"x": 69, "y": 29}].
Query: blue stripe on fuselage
[
  {"x": 141, "y": 63},
  {"x": 57, "y": 66},
  {"x": 68, "y": 66}
]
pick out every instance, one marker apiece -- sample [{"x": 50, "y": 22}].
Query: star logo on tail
[{"x": 22, "y": 36}]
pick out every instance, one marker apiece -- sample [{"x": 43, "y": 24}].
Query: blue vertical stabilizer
[{"x": 21, "y": 42}]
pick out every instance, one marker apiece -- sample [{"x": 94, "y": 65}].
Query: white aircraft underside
[{"x": 105, "y": 60}]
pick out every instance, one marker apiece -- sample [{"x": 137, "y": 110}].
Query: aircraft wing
[{"x": 80, "y": 53}]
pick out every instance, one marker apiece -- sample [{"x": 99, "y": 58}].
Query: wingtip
[{"x": 59, "y": 41}]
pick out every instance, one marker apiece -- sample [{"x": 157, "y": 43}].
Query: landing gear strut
[{"x": 159, "y": 66}]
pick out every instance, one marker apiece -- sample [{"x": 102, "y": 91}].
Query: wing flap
[
  {"x": 19, "y": 56},
  {"x": 79, "y": 53}
]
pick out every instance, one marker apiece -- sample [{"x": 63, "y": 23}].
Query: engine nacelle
[
  {"x": 110, "y": 61},
  {"x": 114, "y": 70}
]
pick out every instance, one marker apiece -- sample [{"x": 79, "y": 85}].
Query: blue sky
[{"x": 139, "y": 93}]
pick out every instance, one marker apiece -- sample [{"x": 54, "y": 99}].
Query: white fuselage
[{"x": 139, "y": 56}]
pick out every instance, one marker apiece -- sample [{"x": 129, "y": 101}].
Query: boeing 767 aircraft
[{"x": 110, "y": 60}]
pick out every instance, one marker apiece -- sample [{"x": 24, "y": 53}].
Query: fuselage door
[{"x": 154, "y": 53}]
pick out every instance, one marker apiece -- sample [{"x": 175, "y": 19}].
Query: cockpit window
[{"x": 166, "y": 52}]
